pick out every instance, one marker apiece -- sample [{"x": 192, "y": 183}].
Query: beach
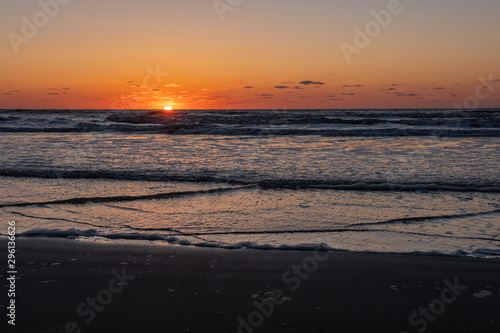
[
  {"x": 166, "y": 288},
  {"x": 235, "y": 166}
]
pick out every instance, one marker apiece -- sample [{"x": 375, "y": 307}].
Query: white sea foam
[{"x": 161, "y": 239}]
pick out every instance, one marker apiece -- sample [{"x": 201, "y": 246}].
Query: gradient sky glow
[{"x": 264, "y": 54}]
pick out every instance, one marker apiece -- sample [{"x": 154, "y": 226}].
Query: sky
[{"x": 249, "y": 54}]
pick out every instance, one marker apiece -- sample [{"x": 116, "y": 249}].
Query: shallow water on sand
[
  {"x": 212, "y": 214},
  {"x": 243, "y": 178}
]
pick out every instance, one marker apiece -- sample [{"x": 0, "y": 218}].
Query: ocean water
[{"x": 392, "y": 181}]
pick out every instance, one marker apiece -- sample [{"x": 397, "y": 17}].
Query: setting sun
[{"x": 168, "y": 108}]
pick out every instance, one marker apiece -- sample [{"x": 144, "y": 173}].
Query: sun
[{"x": 168, "y": 108}]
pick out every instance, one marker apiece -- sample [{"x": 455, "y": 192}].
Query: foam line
[
  {"x": 169, "y": 195},
  {"x": 405, "y": 220}
]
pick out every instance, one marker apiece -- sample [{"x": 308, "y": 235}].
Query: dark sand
[{"x": 187, "y": 289}]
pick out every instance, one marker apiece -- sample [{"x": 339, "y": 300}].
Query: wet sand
[{"x": 76, "y": 286}]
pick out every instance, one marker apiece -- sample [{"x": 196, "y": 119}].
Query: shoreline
[
  {"x": 191, "y": 289},
  {"x": 160, "y": 240}
]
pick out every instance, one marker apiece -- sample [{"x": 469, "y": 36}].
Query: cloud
[
  {"x": 439, "y": 88},
  {"x": 173, "y": 85},
  {"x": 353, "y": 86},
  {"x": 264, "y": 95},
  {"x": 391, "y": 89},
  {"x": 238, "y": 81},
  {"x": 395, "y": 84},
  {"x": 329, "y": 96},
  {"x": 52, "y": 94},
  {"x": 348, "y": 94},
  {"x": 214, "y": 97},
  {"x": 248, "y": 87},
  {"x": 399, "y": 94},
  {"x": 52, "y": 88},
  {"x": 281, "y": 87},
  {"x": 308, "y": 82},
  {"x": 12, "y": 92},
  {"x": 67, "y": 88},
  {"x": 453, "y": 95}
]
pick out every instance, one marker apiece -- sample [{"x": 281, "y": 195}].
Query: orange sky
[{"x": 259, "y": 54}]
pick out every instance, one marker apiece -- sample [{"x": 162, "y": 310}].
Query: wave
[
  {"x": 115, "y": 175},
  {"x": 308, "y": 231},
  {"x": 448, "y": 123},
  {"x": 414, "y": 219},
  {"x": 349, "y": 228},
  {"x": 86, "y": 200},
  {"x": 192, "y": 130},
  {"x": 91, "y": 233},
  {"x": 56, "y": 219},
  {"x": 265, "y": 184},
  {"x": 363, "y": 186}
]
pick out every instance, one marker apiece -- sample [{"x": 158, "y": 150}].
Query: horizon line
[{"x": 246, "y": 109}]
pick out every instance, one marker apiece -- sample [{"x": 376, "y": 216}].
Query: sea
[{"x": 421, "y": 182}]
